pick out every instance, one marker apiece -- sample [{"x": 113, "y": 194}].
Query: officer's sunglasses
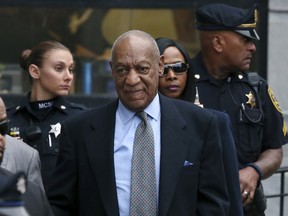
[
  {"x": 4, "y": 127},
  {"x": 177, "y": 68}
]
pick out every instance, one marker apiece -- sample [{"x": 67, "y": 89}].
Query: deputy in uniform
[
  {"x": 227, "y": 37},
  {"x": 37, "y": 118}
]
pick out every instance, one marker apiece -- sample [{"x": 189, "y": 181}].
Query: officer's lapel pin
[{"x": 251, "y": 100}]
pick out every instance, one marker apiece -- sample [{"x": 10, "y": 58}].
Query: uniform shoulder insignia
[
  {"x": 197, "y": 76},
  {"x": 277, "y": 106},
  {"x": 284, "y": 128},
  {"x": 274, "y": 100},
  {"x": 13, "y": 109}
]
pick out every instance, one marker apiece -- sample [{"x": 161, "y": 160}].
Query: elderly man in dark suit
[{"x": 95, "y": 172}]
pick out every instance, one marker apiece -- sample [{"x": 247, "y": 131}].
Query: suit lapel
[
  {"x": 100, "y": 148},
  {"x": 173, "y": 152},
  {"x": 8, "y": 160}
]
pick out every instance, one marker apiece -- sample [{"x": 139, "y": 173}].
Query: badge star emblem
[
  {"x": 251, "y": 100},
  {"x": 55, "y": 129}
]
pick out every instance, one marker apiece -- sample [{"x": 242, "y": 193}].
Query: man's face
[
  {"x": 3, "y": 128},
  {"x": 135, "y": 70},
  {"x": 2, "y": 146},
  {"x": 238, "y": 51}
]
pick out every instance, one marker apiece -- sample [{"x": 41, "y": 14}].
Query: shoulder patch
[
  {"x": 274, "y": 100},
  {"x": 284, "y": 129}
]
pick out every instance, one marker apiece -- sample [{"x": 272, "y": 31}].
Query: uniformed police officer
[
  {"x": 227, "y": 37},
  {"x": 37, "y": 118}
]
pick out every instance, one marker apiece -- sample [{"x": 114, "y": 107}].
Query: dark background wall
[{"x": 260, "y": 60}]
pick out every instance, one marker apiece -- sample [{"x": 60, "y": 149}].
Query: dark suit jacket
[
  {"x": 230, "y": 163},
  {"x": 84, "y": 180}
]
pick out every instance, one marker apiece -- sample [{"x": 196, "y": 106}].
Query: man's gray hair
[{"x": 137, "y": 34}]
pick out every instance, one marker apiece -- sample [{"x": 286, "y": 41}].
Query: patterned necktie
[{"x": 143, "y": 177}]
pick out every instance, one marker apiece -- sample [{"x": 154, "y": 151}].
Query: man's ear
[
  {"x": 218, "y": 42},
  {"x": 34, "y": 71},
  {"x": 161, "y": 65}
]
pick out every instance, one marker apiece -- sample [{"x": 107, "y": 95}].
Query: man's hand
[
  {"x": 268, "y": 162},
  {"x": 248, "y": 183}
]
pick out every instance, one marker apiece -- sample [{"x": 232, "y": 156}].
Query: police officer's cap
[{"x": 219, "y": 16}]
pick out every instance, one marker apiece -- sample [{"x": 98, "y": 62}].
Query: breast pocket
[
  {"x": 250, "y": 132},
  {"x": 51, "y": 146},
  {"x": 52, "y": 139},
  {"x": 188, "y": 174}
]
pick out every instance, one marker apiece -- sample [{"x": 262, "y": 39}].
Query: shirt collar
[
  {"x": 153, "y": 110},
  {"x": 58, "y": 103}
]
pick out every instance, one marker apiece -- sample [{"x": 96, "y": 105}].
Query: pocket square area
[{"x": 188, "y": 163}]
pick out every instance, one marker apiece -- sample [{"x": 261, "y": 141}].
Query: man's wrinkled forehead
[{"x": 135, "y": 51}]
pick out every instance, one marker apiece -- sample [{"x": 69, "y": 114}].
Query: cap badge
[{"x": 253, "y": 24}]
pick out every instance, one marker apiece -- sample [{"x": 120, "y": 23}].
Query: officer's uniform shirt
[
  {"x": 38, "y": 124},
  {"x": 255, "y": 127}
]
